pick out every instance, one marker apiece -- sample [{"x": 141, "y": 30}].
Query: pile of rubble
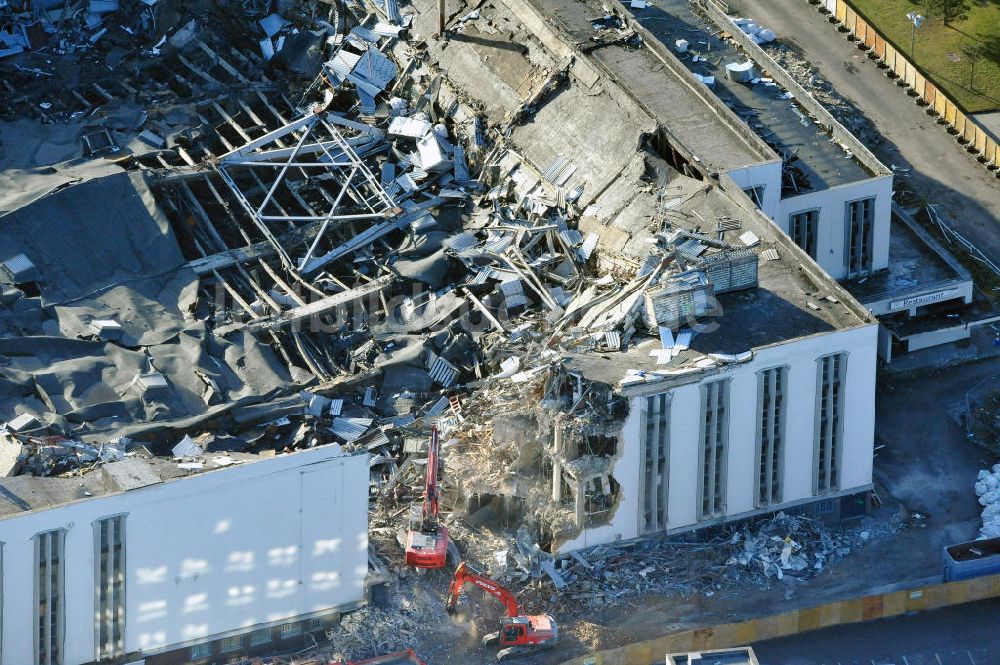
[
  {"x": 839, "y": 106},
  {"x": 988, "y": 491},
  {"x": 781, "y": 549}
]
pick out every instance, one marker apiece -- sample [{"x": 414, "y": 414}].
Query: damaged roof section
[{"x": 379, "y": 244}]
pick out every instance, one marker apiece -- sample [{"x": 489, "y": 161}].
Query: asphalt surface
[
  {"x": 942, "y": 171},
  {"x": 961, "y": 635}
]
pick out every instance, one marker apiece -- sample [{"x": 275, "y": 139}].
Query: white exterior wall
[
  {"x": 767, "y": 174},
  {"x": 831, "y": 231},
  {"x": 212, "y": 553},
  {"x": 800, "y": 357}
]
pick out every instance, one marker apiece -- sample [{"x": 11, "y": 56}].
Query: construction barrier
[
  {"x": 970, "y": 134},
  {"x": 854, "y": 610}
]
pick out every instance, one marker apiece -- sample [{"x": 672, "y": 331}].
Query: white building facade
[
  {"x": 793, "y": 425},
  {"x": 844, "y": 228},
  {"x": 190, "y": 569}
]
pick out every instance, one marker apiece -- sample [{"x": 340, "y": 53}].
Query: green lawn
[{"x": 939, "y": 48}]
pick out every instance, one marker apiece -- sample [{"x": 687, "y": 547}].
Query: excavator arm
[
  {"x": 430, "y": 507},
  {"x": 467, "y": 574}
]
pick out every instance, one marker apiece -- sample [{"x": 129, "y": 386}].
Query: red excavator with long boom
[
  {"x": 518, "y": 634},
  {"x": 427, "y": 539}
]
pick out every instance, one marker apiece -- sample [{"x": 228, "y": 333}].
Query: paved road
[
  {"x": 943, "y": 172},
  {"x": 961, "y": 635}
]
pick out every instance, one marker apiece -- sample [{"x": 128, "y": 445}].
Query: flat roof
[
  {"x": 670, "y": 100},
  {"x": 26, "y": 493},
  {"x": 913, "y": 265},
  {"x": 764, "y": 106}
]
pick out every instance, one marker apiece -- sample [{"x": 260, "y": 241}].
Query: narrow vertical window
[
  {"x": 770, "y": 434},
  {"x": 715, "y": 435},
  {"x": 655, "y": 450},
  {"x": 756, "y": 194},
  {"x": 802, "y": 229},
  {"x": 860, "y": 221},
  {"x": 109, "y": 578},
  {"x": 829, "y": 423},
  {"x": 50, "y": 617}
]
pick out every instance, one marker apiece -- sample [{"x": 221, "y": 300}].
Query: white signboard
[{"x": 923, "y": 299}]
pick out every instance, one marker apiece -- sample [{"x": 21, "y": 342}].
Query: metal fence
[{"x": 965, "y": 129}]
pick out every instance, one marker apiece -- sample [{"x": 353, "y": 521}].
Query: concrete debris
[{"x": 808, "y": 77}]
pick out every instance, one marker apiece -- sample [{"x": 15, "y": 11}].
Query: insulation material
[{"x": 988, "y": 490}]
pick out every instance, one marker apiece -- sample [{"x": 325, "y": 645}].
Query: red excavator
[
  {"x": 518, "y": 634},
  {"x": 427, "y": 539}
]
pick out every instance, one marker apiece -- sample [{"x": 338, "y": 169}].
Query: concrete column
[
  {"x": 557, "y": 447},
  {"x": 579, "y": 504}
]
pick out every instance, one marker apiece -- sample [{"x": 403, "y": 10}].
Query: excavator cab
[
  {"x": 513, "y": 631},
  {"x": 427, "y": 549},
  {"x": 527, "y": 631}
]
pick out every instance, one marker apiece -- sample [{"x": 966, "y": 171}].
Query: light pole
[{"x": 917, "y": 20}]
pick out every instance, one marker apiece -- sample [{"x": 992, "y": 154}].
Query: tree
[
  {"x": 947, "y": 10},
  {"x": 973, "y": 52}
]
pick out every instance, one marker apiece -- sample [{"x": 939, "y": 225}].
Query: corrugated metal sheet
[
  {"x": 613, "y": 340},
  {"x": 392, "y": 11},
  {"x": 20, "y": 269},
  {"x": 151, "y": 381},
  {"x": 370, "y": 396},
  {"x": 410, "y": 127},
  {"x": 565, "y": 175},
  {"x": 350, "y": 429},
  {"x": 386, "y": 29},
  {"x": 460, "y": 242},
  {"x": 555, "y": 167},
  {"x": 691, "y": 247},
  {"x": 732, "y": 270},
  {"x": 498, "y": 245},
  {"x": 27, "y": 421},
  {"x": 399, "y": 421},
  {"x": 482, "y": 275},
  {"x": 437, "y": 408},
  {"x": 444, "y": 372},
  {"x": 393, "y": 189},
  {"x": 365, "y": 34},
  {"x": 368, "y": 104},
  {"x": 374, "y": 69},
  {"x": 103, "y": 6},
  {"x": 571, "y": 237},
  {"x": 675, "y": 303},
  {"x": 372, "y": 439},
  {"x": 342, "y": 64},
  {"x": 336, "y": 407},
  {"x": 461, "y": 167}
]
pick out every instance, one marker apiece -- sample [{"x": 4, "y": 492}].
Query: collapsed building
[
  {"x": 668, "y": 398},
  {"x": 809, "y": 173},
  {"x": 498, "y": 232}
]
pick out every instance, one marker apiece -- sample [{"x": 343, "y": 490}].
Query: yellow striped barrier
[{"x": 852, "y": 610}]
